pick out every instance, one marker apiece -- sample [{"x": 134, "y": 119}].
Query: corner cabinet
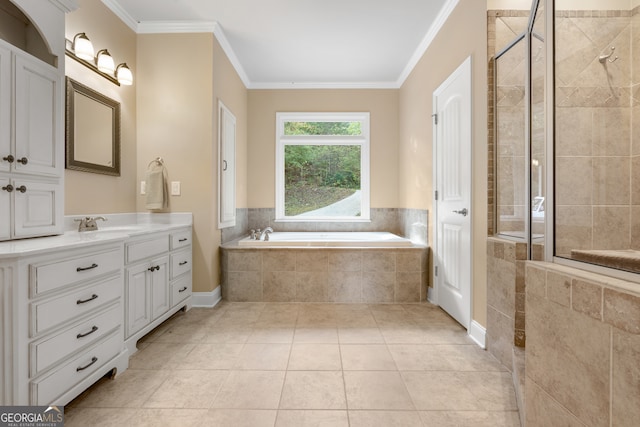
[
  {"x": 158, "y": 281},
  {"x": 31, "y": 150}
]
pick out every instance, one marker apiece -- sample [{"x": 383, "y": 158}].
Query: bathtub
[{"x": 330, "y": 239}]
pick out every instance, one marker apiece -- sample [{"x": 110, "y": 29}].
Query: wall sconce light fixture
[{"x": 81, "y": 49}]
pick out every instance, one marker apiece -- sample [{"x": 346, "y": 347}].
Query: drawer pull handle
[
  {"x": 157, "y": 267},
  {"x": 91, "y": 267},
  {"x": 95, "y": 328},
  {"x": 82, "y": 301},
  {"x": 182, "y": 290},
  {"x": 82, "y": 368},
  {"x": 183, "y": 239},
  {"x": 182, "y": 263}
]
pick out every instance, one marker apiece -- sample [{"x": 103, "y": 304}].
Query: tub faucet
[
  {"x": 89, "y": 223},
  {"x": 265, "y": 233}
]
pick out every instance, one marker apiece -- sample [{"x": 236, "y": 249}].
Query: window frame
[{"x": 363, "y": 141}]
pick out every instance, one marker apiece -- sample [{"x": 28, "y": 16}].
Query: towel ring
[{"x": 158, "y": 160}]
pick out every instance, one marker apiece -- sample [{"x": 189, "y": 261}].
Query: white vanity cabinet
[
  {"x": 31, "y": 146},
  {"x": 158, "y": 280},
  {"x": 64, "y": 309}
]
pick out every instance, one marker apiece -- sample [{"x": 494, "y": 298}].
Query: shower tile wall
[{"x": 597, "y": 169}]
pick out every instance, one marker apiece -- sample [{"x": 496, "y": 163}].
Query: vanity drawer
[
  {"x": 52, "y": 312},
  {"x": 54, "y": 348},
  {"x": 180, "y": 289},
  {"x": 180, "y": 262},
  {"x": 139, "y": 250},
  {"x": 46, "y": 389},
  {"x": 59, "y": 273},
  {"x": 180, "y": 239}
]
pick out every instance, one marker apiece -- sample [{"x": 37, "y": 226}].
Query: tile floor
[{"x": 269, "y": 364}]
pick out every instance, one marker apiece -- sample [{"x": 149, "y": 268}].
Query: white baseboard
[
  {"x": 206, "y": 299},
  {"x": 478, "y": 333},
  {"x": 432, "y": 296}
]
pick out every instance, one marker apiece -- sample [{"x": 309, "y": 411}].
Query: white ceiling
[{"x": 303, "y": 43}]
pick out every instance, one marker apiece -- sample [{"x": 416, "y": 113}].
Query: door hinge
[
  {"x": 435, "y": 118},
  {"x": 436, "y": 270},
  {"x": 436, "y": 194}
]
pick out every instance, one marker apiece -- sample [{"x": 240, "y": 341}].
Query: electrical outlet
[
  {"x": 175, "y": 188},
  {"x": 143, "y": 187}
]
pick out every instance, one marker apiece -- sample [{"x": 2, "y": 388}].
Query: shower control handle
[{"x": 462, "y": 212}]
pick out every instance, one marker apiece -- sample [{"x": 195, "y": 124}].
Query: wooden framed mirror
[{"x": 92, "y": 130}]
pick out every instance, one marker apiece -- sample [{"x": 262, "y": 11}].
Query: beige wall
[
  {"x": 87, "y": 193},
  {"x": 383, "y": 106},
  {"x": 447, "y": 51},
  {"x": 177, "y": 120}
]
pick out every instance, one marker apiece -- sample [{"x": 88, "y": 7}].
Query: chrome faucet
[
  {"x": 265, "y": 233},
  {"x": 89, "y": 223}
]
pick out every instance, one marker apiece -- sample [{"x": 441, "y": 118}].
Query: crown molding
[
  {"x": 435, "y": 28},
  {"x": 124, "y": 16},
  {"x": 65, "y": 5},
  {"x": 323, "y": 85},
  {"x": 218, "y": 32}
]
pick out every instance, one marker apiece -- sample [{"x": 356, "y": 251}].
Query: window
[{"x": 322, "y": 166}]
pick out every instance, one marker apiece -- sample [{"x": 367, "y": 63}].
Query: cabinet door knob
[
  {"x": 23, "y": 160},
  {"x": 9, "y": 158},
  {"x": 21, "y": 189},
  {"x": 157, "y": 267},
  {"x": 8, "y": 188}
]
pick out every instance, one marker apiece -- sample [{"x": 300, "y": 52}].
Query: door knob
[
  {"x": 8, "y": 188},
  {"x": 462, "y": 212},
  {"x": 23, "y": 160},
  {"x": 9, "y": 158},
  {"x": 22, "y": 189}
]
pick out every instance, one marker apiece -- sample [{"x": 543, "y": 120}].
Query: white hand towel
[{"x": 157, "y": 190}]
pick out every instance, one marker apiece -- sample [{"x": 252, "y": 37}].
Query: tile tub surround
[
  {"x": 583, "y": 347},
  {"x": 505, "y": 297},
  {"x": 266, "y": 364},
  {"x": 349, "y": 275}
]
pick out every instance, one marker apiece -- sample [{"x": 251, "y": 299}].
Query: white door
[
  {"x": 160, "y": 298},
  {"x": 138, "y": 293},
  {"x": 452, "y": 146},
  {"x": 227, "y": 176},
  {"x": 37, "y": 108},
  {"x": 36, "y": 208}
]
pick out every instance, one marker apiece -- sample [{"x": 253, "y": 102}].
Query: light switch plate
[
  {"x": 143, "y": 187},
  {"x": 175, "y": 188}
]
